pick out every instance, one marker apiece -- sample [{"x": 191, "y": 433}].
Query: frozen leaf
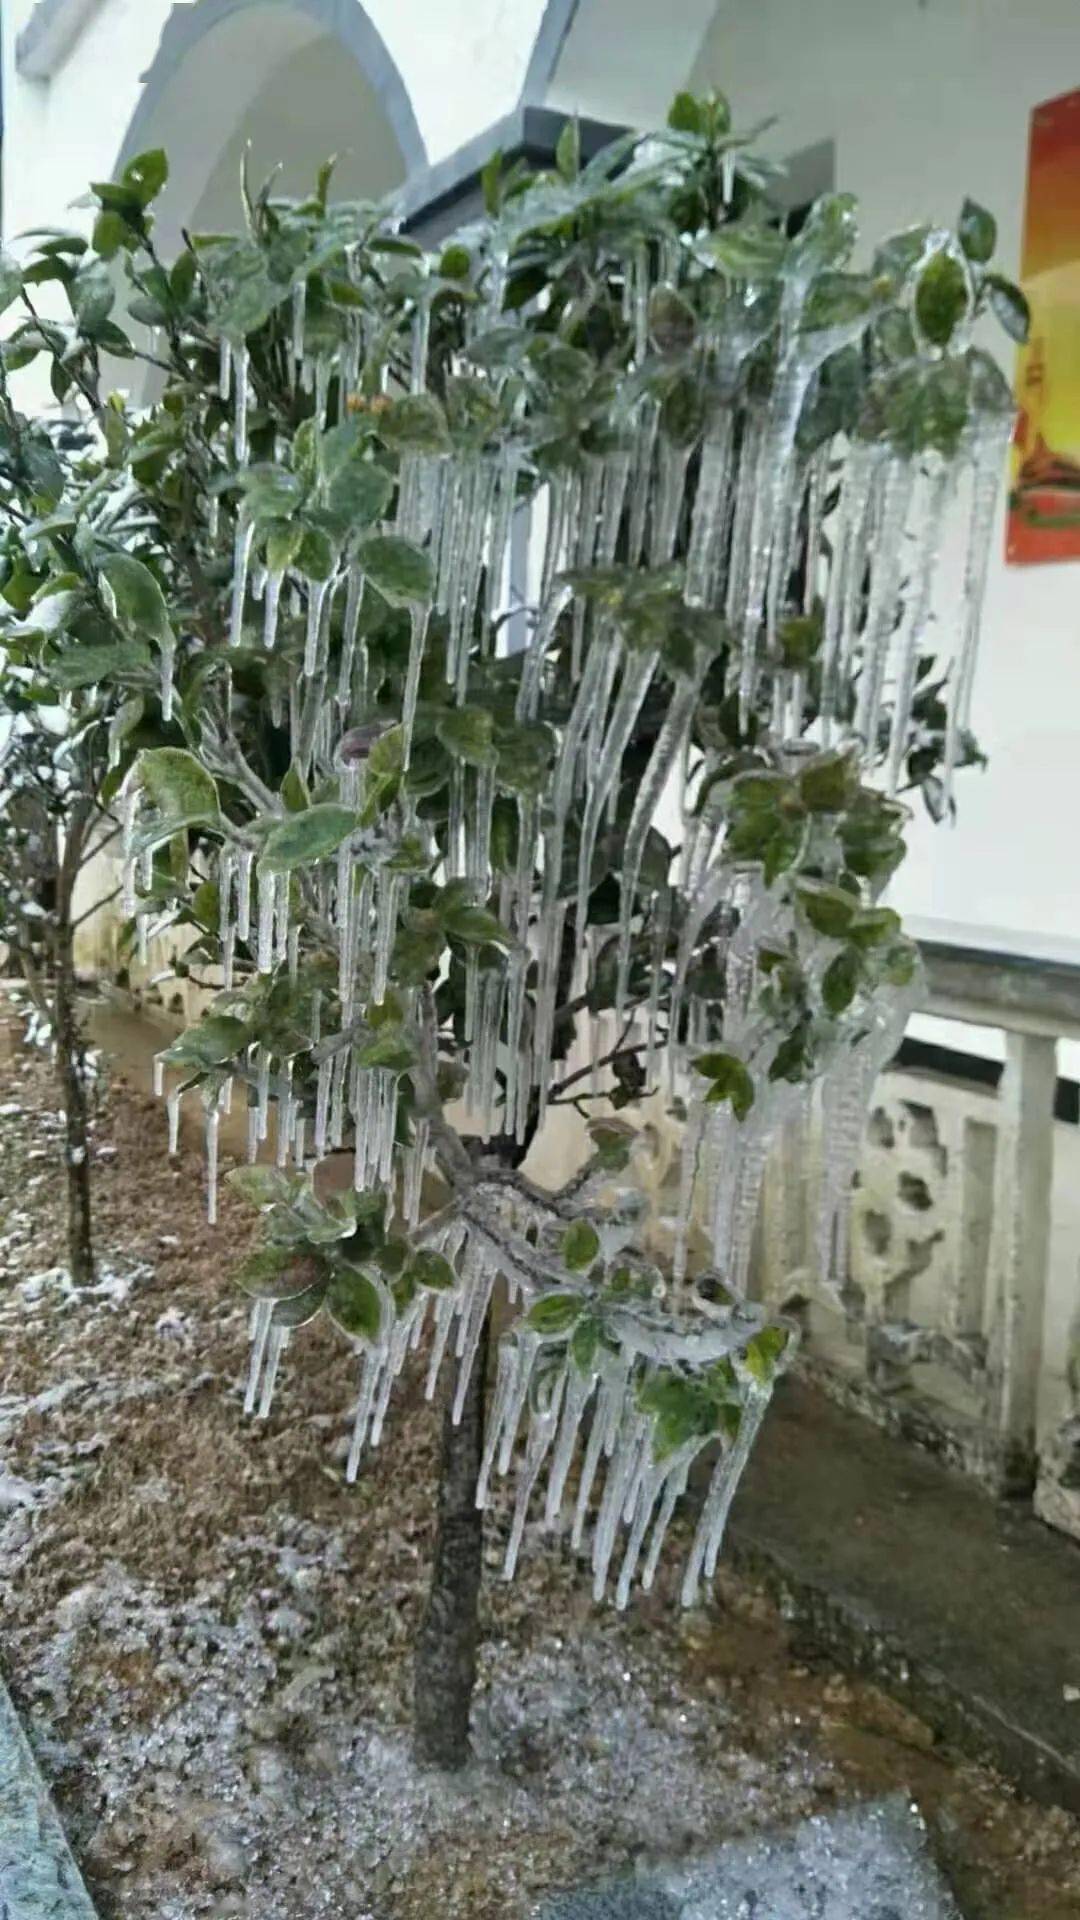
[
  {"x": 399, "y": 569},
  {"x": 555, "y": 1313},
  {"x": 581, "y": 1245},
  {"x": 354, "y": 1301},
  {"x": 306, "y": 837},
  {"x": 977, "y": 230},
  {"x": 179, "y": 788},
  {"x": 730, "y": 1079}
]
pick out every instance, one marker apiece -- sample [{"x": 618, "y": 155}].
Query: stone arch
[{"x": 296, "y": 78}]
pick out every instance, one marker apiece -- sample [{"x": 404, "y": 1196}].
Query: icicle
[
  {"x": 213, "y": 1123},
  {"x": 225, "y": 370},
  {"x": 929, "y": 546},
  {"x": 317, "y": 591},
  {"x": 707, "y": 522},
  {"x": 989, "y": 453},
  {"x": 275, "y": 1347},
  {"x": 245, "y": 535},
  {"x": 419, "y": 616},
  {"x": 506, "y": 1368},
  {"x": 670, "y": 743},
  {"x": 637, "y": 674},
  {"x": 245, "y": 861},
  {"x": 579, "y": 1391},
  {"x": 267, "y": 904},
  {"x": 370, "y": 1371},
  {"x": 271, "y": 609},
  {"x": 471, "y": 1329},
  {"x": 717, "y": 1504},
  {"x": 420, "y": 337},
  {"x": 674, "y": 1488},
  {"x": 262, "y": 1091},
  {"x": 888, "y": 563},
  {"x": 172, "y": 1108},
  {"x": 542, "y": 1426},
  {"x": 261, "y": 1317},
  {"x": 446, "y": 1307},
  {"x": 241, "y": 362},
  {"x": 353, "y": 601},
  {"x": 324, "y": 1078},
  {"x": 299, "y": 315},
  {"x": 159, "y": 1075}
]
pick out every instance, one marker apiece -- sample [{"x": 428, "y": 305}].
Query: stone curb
[{"x": 38, "y": 1876}]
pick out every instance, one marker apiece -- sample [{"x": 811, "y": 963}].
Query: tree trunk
[
  {"x": 71, "y": 1077},
  {"x": 445, "y": 1664},
  {"x": 71, "y": 1053}
]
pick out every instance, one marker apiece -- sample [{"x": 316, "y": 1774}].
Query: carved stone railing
[{"x": 961, "y": 1286}]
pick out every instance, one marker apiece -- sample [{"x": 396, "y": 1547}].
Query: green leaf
[
  {"x": 475, "y": 926},
  {"x": 455, "y": 262},
  {"x": 415, "y": 424},
  {"x": 111, "y": 233},
  {"x": 294, "y": 794},
  {"x": 217, "y": 1038},
  {"x": 731, "y": 1080},
  {"x": 390, "y": 1048},
  {"x": 873, "y": 927},
  {"x": 283, "y": 543},
  {"x": 613, "y": 1142},
  {"x": 92, "y": 294},
  {"x": 134, "y": 598},
  {"x": 747, "y": 250},
  {"x": 764, "y": 1353},
  {"x": 306, "y": 837},
  {"x": 941, "y": 298},
  {"x": 800, "y": 638},
  {"x": 179, "y": 789},
  {"x": 317, "y": 557},
  {"x": 275, "y": 1273},
  {"x": 265, "y": 1187},
  {"x": 568, "y": 151},
  {"x": 1009, "y": 305},
  {"x": 584, "y": 1342},
  {"x": 830, "y": 910},
  {"x": 11, "y": 280},
  {"x": 581, "y": 1245},
  {"x": 840, "y": 980},
  {"x": 554, "y": 1314},
  {"x": 829, "y": 782},
  {"x": 431, "y": 1270},
  {"x": 97, "y": 666},
  {"x": 401, "y": 571},
  {"x": 977, "y": 231},
  {"x": 686, "y": 115},
  {"x": 147, "y": 174},
  {"x": 466, "y": 733},
  {"x": 672, "y": 321},
  {"x": 356, "y": 1304}
]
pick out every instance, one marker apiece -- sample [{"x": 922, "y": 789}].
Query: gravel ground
[{"x": 208, "y": 1632}]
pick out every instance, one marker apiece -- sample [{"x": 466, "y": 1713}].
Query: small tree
[
  {"x": 426, "y": 859},
  {"x": 62, "y": 719}
]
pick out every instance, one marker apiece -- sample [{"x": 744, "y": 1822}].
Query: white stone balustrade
[{"x": 961, "y": 1304}]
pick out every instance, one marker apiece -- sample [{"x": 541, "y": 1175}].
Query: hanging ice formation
[{"x": 748, "y": 523}]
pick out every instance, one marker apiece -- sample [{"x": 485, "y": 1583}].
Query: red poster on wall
[{"x": 1044, "y": 497}]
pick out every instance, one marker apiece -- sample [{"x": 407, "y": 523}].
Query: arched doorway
[{"x": 293, "y": 81}]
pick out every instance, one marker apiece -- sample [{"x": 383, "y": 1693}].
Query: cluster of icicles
[
  {"x": 563, "y": 1409},
  {"x": 744, "y": 505}
]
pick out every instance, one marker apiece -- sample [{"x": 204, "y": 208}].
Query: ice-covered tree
[{"x": 466, "y": 573}]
